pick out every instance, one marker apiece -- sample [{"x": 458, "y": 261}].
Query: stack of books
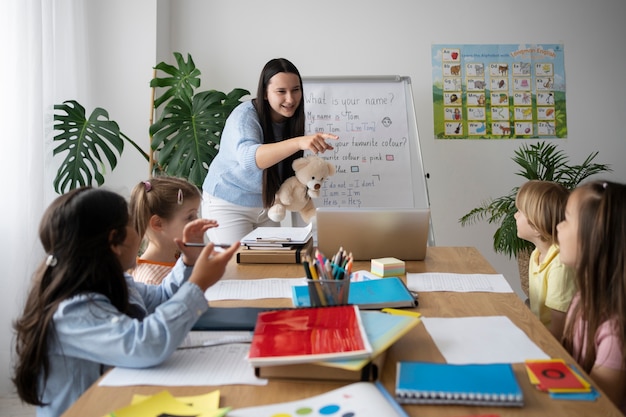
[
  {"x": 560, "y": 380},
  {"x": 325, "y": 343},
  {"x": 272, "y": 245}
]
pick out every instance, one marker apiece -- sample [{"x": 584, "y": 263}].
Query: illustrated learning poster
[{"x": 499, "y": 91}]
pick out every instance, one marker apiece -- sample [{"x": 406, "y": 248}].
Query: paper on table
[
  {"x": 252, "y": 289},
  {"x": 434, "y": 281},
  {"x": 205, "y": 338},
  {"x": 489, "y": 339},
  {"x": 216, "y": 365}
]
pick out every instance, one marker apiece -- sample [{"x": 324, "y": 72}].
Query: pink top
[{"x": 608, "y": 346}]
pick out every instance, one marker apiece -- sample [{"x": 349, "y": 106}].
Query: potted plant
[
  {"x": 185, "y": 138},
  {"x": 537, "y": 161}
]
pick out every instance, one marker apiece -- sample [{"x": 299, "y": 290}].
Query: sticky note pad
[{"x": 387, "y": 267}]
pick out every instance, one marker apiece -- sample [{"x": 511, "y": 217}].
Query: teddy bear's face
[{"x": 314, "y": 172}]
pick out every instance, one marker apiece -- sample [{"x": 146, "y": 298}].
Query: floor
[{"x": 11, "y": 406}]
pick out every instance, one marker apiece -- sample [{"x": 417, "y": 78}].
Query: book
[
  {"x": 382, "y": 331},
  {"x": 293, "y": 254},
  {"x": 372, "y": 294},
  {"x": 554, "y": 375},
  {"x": 305, "y": 335},
  {"x": 491, "y": 384},
  {"x": 229, "y": 318},
  {"x": 278, "y": 236},
  {"x": 356, "y": 399},
  {"x": 320, "y": 371}
]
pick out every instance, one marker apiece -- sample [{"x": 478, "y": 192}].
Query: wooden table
[{"x": 416, "y": 345}]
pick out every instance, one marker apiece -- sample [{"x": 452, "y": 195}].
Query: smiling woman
[{"x": 260, "y": 141}]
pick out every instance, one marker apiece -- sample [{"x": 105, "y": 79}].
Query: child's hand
[
  {"x": 210, "y": 265},
  {"x": 194, "y": 233}
]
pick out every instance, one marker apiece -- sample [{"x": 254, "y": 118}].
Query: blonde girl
[
  {"x": 551, "y": 285},
  {"x": 160, "y": 208}
]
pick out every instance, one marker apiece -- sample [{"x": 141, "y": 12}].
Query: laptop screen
[{"x": 374, "y": 233}]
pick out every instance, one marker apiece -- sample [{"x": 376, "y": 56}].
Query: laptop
[{"x": 374, "y": 233}]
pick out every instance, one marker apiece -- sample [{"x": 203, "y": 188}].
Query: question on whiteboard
[{"x": 373, "y": 154}]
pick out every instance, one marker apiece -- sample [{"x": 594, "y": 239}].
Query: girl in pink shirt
[{"x": 592, "y": 239}]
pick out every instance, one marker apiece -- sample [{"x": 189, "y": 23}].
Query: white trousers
[{"x": 234, "y": 221}]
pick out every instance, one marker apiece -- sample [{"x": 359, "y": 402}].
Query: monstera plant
[
  {"x": 537, "y": 161},
  {"x": 185, "y": 137}
]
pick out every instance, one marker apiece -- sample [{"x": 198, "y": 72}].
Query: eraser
[{"x": 387, "y": 267}]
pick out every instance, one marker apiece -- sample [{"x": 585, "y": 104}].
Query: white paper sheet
[
  {"x": 434, "y": 281},
  {"x": 489, "y": 339},
  {"x": 203, "y": 338},
  {"x": 253, "y": 289},
  {"x": 216, "y": 365}
]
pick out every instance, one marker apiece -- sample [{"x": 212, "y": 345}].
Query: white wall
[
  {"x": 121, "y": 53},
  {"x": 230, "y": 41}
]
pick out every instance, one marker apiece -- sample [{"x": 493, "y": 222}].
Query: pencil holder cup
[{"x": 328, "y": 292}]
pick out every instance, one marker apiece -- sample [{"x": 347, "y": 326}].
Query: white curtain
[{"x": 43, "y": 62}]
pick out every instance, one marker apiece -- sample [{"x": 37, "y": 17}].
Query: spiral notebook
[{"x": 442, "y": 383}]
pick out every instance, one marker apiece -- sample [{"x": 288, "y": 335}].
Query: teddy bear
[{"x": 296, "y": 192}]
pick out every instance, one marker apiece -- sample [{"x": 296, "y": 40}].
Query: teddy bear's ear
[{"x": 299, "y": 163}]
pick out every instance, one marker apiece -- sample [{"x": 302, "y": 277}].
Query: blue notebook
[
  {"x": 443, "y": 383},
  {"x": 371, "y": 294}
]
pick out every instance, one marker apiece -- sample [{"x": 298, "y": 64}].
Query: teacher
[{"x": 260, "y": 140}]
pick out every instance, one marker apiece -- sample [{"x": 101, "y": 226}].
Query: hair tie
[
  {"x": 180, "y": 197},
  {"x": 51, "y": 261},
  {"x": 147, "y": 185}
]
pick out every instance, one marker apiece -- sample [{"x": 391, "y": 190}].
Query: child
[
  {"x": 84, "y": 314},
  {"x": 593, "y": 240},
  {"x": 160, "y": 208},
  {"x": 551, "y": 285}
]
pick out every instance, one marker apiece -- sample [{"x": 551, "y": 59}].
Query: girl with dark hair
[
  {"x": 260, "y": 141},
  {"x": 83, "y": 313},
  {"x": 592, "y": 239}
]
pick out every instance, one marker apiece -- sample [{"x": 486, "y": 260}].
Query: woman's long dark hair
[
  {"x": 77, "y": 232},
  {"x": 294, "y": 127}
]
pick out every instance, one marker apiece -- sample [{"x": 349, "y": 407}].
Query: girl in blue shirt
[
  {"x": 260, "y": 140},
  {"x": 84, "y": 314}
]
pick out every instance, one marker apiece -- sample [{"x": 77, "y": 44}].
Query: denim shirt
[{"x": 90, "y": 334}]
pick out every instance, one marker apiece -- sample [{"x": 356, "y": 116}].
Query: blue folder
[{"x": 372, "y": 294}]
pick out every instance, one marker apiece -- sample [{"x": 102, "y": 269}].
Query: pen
[
  {"x": 398, "y": 312},
  {"x": 201, "y": 245}
]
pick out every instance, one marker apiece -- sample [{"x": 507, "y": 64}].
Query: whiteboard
[{"x": 377, "y": 157}]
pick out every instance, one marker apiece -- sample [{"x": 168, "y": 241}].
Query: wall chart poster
[{"x": 499, "y": 91}]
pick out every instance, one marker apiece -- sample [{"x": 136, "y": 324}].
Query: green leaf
[
  {"x": 89, "y": 143},
  {"x": 186, "y": 138},
  {"x": 536, "y": 161},
  {"x": 181, "y": 83}
]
